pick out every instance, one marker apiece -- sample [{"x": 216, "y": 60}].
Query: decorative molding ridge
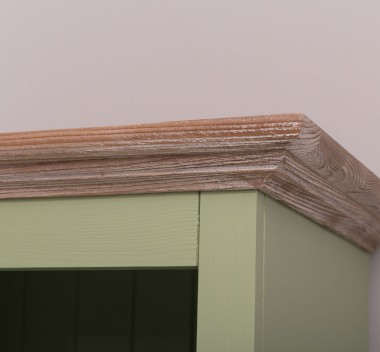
[{"x": 286, "y": 156}]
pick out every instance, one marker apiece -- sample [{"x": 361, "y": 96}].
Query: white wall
[{"x": 76, "y": 63}]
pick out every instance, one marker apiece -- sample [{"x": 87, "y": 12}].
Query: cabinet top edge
[{"x": 286, "y": 156}]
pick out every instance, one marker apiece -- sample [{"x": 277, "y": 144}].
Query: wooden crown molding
[{"x": 286, "y": 156}]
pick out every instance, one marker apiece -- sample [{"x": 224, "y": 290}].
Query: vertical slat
[
  {"x": 12, "y": 284},
  {"x": 163, "y": 311},
  {"x": 194, "y": 307},
  {"x": 260, "y": 257},
  {"x": 105, "y": 311},
  {"x": 226, "y": 292},
  {"x": 50, "y": 312}
]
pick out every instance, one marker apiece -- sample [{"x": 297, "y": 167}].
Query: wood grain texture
[
  {"x": 176, "y": 156},
  {"x": 286, "y": 156}
]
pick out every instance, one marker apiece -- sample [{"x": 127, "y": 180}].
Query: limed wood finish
[
  {"x": 94, "y": 232},
  {"x": 97, "y": 311},
  {"x": 311, "y": 288},
  {"x": 285, "y": 156}
]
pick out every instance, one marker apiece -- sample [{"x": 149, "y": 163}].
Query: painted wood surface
[
  {"x": 312, "y": 286},
  {"x": 95, "y": 232},
  {"x": 227, "y": 255},
  {"x": 269, "y": 279},
  {"x": 97, "y": 311},
  {"x": 286, "y": 156}
]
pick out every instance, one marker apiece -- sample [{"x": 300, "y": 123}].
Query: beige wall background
[{"x": 67, "y": 63}]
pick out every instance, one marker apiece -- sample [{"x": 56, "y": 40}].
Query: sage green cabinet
[{"x": 211, "y": 271}]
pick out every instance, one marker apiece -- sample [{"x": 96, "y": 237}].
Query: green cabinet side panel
[
  {"x": 91, "y": 232},
  {"x": 312, "y": 294},
  {"x": 226, "y": 292}
]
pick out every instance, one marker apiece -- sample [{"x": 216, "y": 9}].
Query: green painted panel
[
  {"x": 114, "y": 231},
  {"x": 314, "y": 287},
  {"x": 163, "y": 311},
  {"x": 226, "y": 293},
  {"x": 104, "y": 318}
]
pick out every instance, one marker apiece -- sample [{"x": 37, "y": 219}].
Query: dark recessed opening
[{"x": 98, "y": 311}]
